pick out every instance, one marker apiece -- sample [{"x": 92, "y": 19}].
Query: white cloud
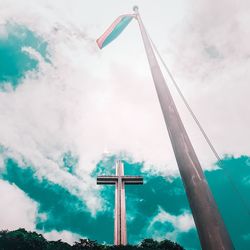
[
  {"x": 181, "y": 224},
  {"x": 66, "y": 236},
  {"x": 34, "y": 54},
  {"x": 211, "y": 61},
  {"x": 17, "y": 210}
]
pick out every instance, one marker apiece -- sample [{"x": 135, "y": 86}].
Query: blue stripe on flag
[{"x": 117, "y": 30}]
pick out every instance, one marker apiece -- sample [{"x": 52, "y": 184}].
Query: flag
[{"x": 114, "y": 30}]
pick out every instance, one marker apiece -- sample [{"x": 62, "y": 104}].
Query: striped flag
[{"x": 114, "y": 30}]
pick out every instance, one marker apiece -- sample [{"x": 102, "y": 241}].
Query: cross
[{"x": 120, "y": 180}]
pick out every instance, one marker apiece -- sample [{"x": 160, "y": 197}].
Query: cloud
[
  {"x": 181, "y": 224},
  {"x": 66, "y": 236},
  {"x": 33, "y": 54},
  {"x": 210, "y": 59},
  {"x": 17, "y": 210}
]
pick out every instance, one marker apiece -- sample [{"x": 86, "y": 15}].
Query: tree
[
  {"x": 85, "y": 244},
  {"x": 167, "y": 244},
  {"x": 149, "y": 244},
  {"x": 58, "y": 245},
  {"x": 22, "y": 240}
]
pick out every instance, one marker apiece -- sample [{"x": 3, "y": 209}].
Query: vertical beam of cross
[
  {"x": 120, "y": 180},
  {"x": 120, "y": 233}
]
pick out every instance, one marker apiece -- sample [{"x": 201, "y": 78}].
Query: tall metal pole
[{"x": 209, "y": 223}]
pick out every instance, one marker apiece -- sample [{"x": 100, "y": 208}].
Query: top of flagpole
[{"x": 135, "y": 9}]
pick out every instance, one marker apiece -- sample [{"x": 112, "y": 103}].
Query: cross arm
[
  {"x": 106, "y": 180},
  {"x": 132, "y": 180}
]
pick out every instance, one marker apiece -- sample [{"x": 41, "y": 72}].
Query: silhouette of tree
[
  {"x": 167, "y": 244},
  {"x": 22, "y": 240},
  {"x": 85, "y": 244},
  {"x": 149, "y": 244},
  {"x": 58, "y": 245}
]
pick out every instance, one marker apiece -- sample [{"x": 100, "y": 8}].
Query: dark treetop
[{"x": 22, "y": 240}]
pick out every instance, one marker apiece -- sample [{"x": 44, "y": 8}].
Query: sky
[{"x": 68, "y": 110}]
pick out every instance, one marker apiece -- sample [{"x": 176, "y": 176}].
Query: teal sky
[{"x": 68, "y": 111}]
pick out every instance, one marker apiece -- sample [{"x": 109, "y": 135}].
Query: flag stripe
[{"x": 114, "y": 30}]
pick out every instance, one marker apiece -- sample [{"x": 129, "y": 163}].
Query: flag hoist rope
[{"x": 219, "y": 159}]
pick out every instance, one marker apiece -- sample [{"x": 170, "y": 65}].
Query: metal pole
[{"x": 209, "y": 223}]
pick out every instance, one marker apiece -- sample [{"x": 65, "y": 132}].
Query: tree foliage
[{"x": 22, "y": 240}]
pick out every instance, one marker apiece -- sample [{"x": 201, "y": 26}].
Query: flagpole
[{"x": 209, "y": 223}]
